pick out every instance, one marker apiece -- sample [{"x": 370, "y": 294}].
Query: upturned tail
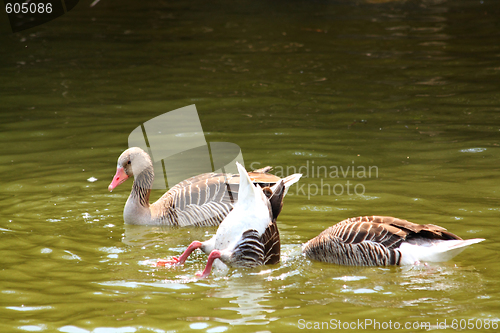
[{"x": 435, "y": 252}]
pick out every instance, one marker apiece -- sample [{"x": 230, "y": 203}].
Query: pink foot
[
  {"x": 179, "y": 261},
  {"x": 215, "y": 254},
  {"x": 164, "y": 262},
  {"x": 201, "y": 275}
]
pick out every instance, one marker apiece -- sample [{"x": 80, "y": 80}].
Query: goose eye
[{"x": 129, "y": 162}]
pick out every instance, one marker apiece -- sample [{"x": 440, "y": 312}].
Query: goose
[
  {"x": 384, "y": 241},
  {"x": 248, "y": 236},
  {"x": 203, "y": 200}
]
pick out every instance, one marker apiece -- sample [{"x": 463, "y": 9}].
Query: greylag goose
[
  {"x": 248, "y": 236},
  {"x": 203, "y": 200},
  {"x": 383, "y": 241}
]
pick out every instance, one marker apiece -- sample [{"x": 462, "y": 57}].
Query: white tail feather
[
  {"x": 247, "y": 191},
  {"x": 288, "y": 181},
  {"x": 436, "y": 251}
]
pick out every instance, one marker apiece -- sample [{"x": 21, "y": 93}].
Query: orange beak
[{"x": 119, "y": 178}]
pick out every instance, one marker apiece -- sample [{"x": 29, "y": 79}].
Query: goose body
[
  {"x": 383, "y": 241},
  {"x": 248, "y": 236},
  {"x": 203, "y": 200}
]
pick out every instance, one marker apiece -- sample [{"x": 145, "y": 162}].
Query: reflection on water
[{"x": 247, "y": 297}]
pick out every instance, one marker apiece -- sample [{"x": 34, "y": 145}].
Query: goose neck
[{"x": 141, "y": 189}]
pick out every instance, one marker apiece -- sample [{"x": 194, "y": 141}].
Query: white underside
[
  {"x": 435, "y": 251},
  {"x": 250, "y": 212},
  {"x": 244, "y": 216}
]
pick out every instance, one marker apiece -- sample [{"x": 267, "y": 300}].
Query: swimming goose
[
  {"x": 203, "y": 200},
  {"x": 382, "y": 241},
  {"x": 248, "y": 236}
]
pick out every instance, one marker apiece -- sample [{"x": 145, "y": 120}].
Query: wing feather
[{"x": 369, "y": 240}]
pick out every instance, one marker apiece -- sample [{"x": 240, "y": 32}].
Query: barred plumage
[
  {"x": 203, "y": 200},
  {"x": 249, "y": 235},
  {"x": 383, "y": 241},
  {"x": 254, "y": 248}
]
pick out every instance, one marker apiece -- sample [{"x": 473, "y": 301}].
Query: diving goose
[
  {"x": 248, "y": 236},
  {"x": 383, "y": 241},
  {"x": 203, "y": 200}
]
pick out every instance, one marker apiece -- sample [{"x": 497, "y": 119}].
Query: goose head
[{"x": 132, "y": 161}]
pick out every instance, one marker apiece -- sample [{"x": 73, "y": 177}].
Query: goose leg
[
  {"x": 179, "y": 261},
  {"x": 215, "y": 254}
]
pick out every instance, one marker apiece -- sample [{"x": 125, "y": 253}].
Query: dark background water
[{"x": 408, "y": 87}]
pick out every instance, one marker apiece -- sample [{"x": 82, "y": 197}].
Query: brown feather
[
  {"x": 351, "y": 234},
  {"x": 271, "y": 240}
]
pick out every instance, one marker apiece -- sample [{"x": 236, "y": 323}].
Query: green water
[{"x": 410, "y": 89}]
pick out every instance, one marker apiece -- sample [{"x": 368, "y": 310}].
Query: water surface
[{"x": 409, "y": 88}]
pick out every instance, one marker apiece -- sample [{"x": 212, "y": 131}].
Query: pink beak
[{"x": 119, "y": 178}]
